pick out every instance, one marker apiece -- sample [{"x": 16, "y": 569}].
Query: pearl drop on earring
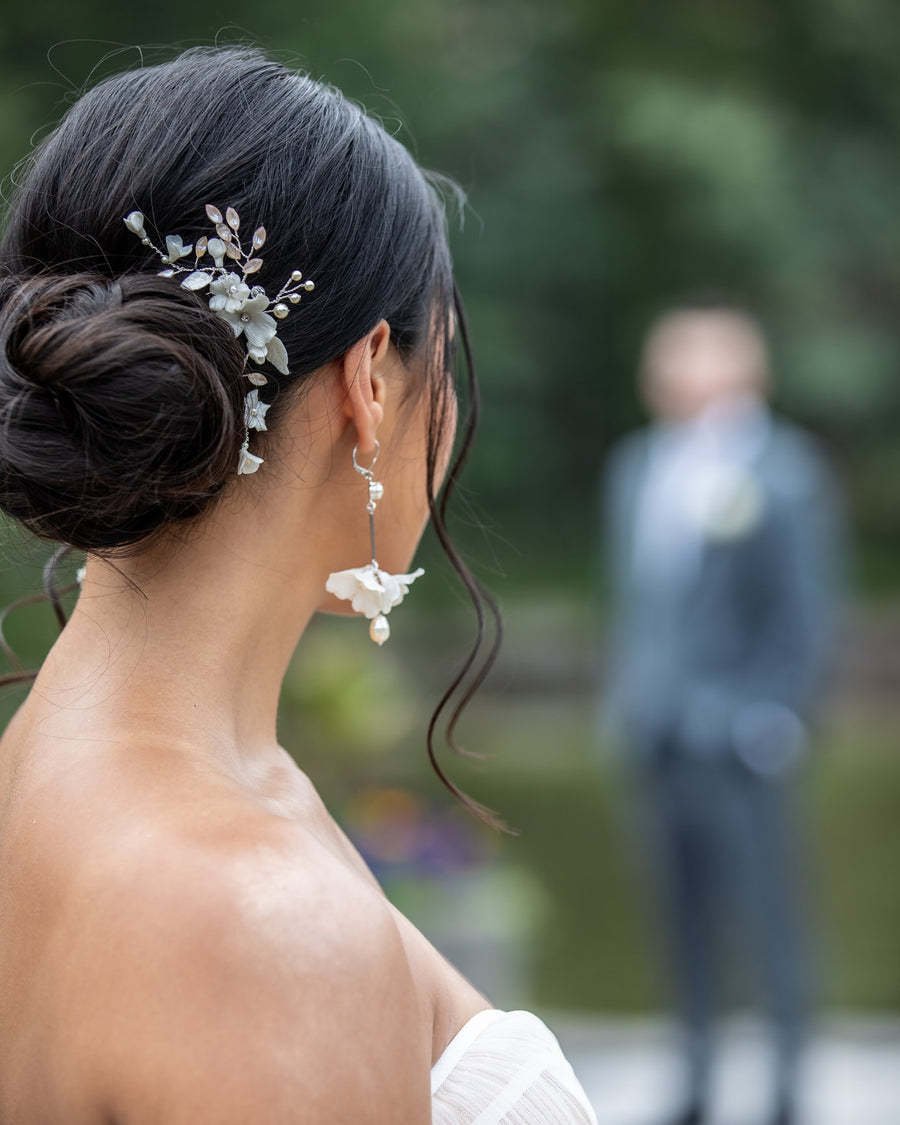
[{"x": 379, "y": 630}]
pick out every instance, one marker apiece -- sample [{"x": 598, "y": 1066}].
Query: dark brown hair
[{"x": 121, "y": 397}]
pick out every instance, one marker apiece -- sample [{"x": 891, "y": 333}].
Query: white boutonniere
[{"x": 728, "y": 504}]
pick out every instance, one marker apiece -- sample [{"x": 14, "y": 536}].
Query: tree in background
[{"x": 617, "y": 155}]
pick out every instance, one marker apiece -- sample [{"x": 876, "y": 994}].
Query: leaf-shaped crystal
[
  {"x": 215, "y": 215},
  {"x": 257, "y": 378},
  {"x": 223, "y": 232},
  {"x": 135, "y": 223},
  {"x": 232, "y": 251},
  {"x": 199, "y": 279},
  {"x": 166, "y": 273},
  {"x": 259, "y": 238},
  {"x": 253, "y": 265},
  {"x": 276, "y": 354},
  {"x": 200, "y": 248},
  {"x": 231, "y": 217}
]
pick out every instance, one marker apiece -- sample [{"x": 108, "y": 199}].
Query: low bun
[
  {"x": 121, "y": 406},
  {"x": 122, "y": 394}
]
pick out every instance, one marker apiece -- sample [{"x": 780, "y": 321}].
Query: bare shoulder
[{"x": 263, "y": 980}]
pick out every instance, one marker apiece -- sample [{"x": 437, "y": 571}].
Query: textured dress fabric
[{"x": 506, "y": 1068}]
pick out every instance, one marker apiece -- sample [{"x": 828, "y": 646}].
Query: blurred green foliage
[
  {"x": 578, "y": 820},
  {"x": 618, "y": 154}
]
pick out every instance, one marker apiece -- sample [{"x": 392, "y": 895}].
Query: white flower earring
[{"x": 370, "y": 590}]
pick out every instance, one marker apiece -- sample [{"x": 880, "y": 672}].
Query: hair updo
[
  {"x": 121, "y": 410},
  {"x": 121, "y": 394}
]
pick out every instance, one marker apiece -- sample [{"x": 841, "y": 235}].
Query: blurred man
[{"x": 722, "y": 537}]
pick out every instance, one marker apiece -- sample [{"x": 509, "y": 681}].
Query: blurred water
[{"x": 629, "y": 1069}]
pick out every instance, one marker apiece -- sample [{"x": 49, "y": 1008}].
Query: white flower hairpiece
[{"x": 244, "y": 307}]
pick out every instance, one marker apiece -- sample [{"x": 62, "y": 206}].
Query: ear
[{"x": 363, "y": 378}]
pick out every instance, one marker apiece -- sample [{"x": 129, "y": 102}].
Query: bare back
[{"x": 104, "y": 844}]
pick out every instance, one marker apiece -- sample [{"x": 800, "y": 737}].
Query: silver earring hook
[{"x": 367, "y": 473}]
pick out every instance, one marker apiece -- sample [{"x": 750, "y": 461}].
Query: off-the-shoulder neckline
[
  {"x": 464, "y": 1038},
  {"x": 458, "y": 1045}
]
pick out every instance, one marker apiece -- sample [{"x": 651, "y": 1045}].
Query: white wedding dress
[{"x": 506, "y": 1068}]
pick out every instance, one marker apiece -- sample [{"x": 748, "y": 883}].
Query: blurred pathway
[{"x": 851, "y": 1074}]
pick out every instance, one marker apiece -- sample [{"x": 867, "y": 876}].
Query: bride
[{"x": 226, "y": 335}]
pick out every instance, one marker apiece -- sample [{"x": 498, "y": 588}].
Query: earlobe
[{"x": 362, "y": 375}]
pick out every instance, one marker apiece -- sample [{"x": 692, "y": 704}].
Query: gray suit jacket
[{"x": 730, "y": 657}]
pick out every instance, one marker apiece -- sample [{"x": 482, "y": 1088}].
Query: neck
[{"x": 192, "y": 640}]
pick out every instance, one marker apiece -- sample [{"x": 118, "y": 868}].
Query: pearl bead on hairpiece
[{"x": 245, "y": 308}]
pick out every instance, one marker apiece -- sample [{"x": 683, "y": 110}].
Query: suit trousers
[{"x": 726, "y": 853}]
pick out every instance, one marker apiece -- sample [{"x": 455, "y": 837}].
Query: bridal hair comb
[{"x": 245, "y": 307}]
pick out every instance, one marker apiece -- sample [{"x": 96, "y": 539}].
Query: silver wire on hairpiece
[{"x": 245, "y": 308}]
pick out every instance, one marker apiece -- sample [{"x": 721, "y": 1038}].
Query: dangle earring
[{"x": 370, "y": 590}]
